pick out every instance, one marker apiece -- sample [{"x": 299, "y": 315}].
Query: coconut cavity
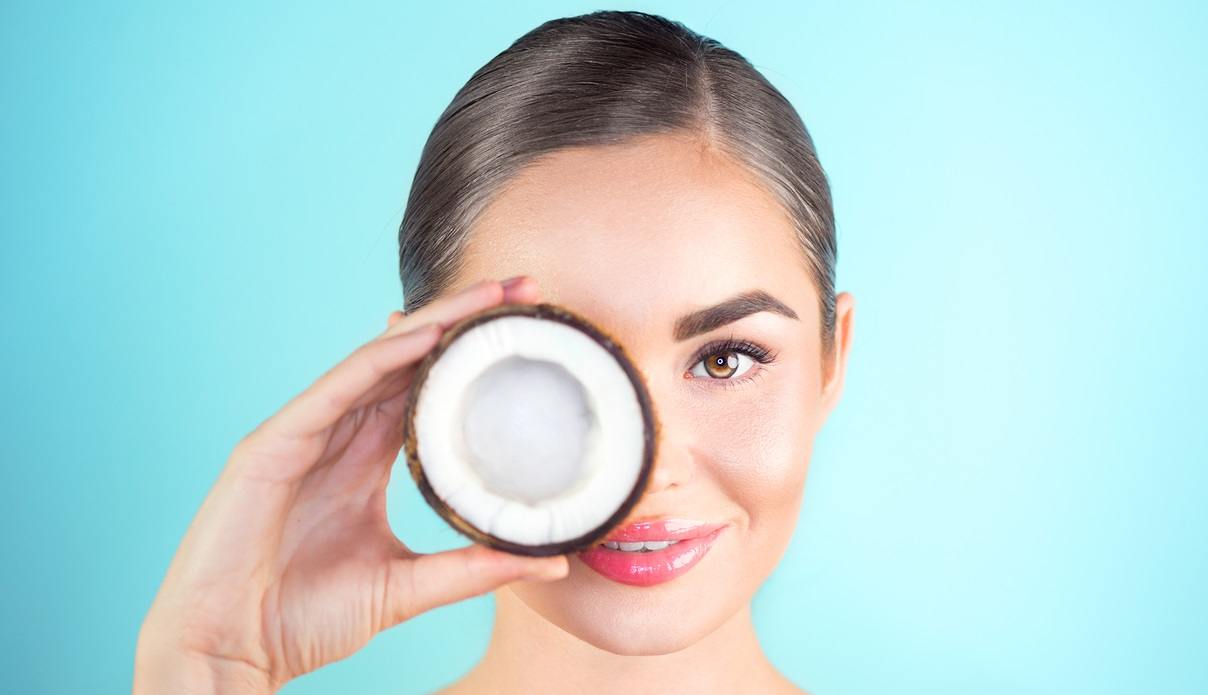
[
  {"x": 529, "y": 429},
  {"x": 528, "y": 448}
]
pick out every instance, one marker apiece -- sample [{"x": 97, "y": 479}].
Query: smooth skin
[
  {"x": 634, "y": 236},
  {"x": 290, "y": 562}
]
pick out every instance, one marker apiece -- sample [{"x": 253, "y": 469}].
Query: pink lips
[{"x": 656, "y": 566}]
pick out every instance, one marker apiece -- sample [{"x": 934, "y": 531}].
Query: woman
[{"x": 645, "y": 176}]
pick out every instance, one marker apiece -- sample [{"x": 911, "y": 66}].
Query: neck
[{"x": 528, "y": 654}]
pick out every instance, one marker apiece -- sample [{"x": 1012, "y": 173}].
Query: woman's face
[{"x": 634, "y": 237}]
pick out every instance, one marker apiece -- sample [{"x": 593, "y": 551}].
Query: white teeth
[{"x": 638, "y": 547}]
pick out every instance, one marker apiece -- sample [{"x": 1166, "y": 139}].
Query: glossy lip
[{"x": 658, "y": 566}]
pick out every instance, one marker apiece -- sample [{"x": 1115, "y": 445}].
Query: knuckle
[
  {"x": 372, "y": 357},
  {"x": 401, "y": 604},
  {"x": 258, "y": 444},
  {"x": 247, "y": 443}
]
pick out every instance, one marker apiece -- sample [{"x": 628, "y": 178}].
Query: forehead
[{"x": 639, "y": 233}]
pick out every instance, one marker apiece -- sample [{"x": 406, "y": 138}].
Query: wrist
[{"x": 160, "y": 667}]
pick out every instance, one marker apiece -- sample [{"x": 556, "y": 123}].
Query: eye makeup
[{"x": 753, "y": 351}]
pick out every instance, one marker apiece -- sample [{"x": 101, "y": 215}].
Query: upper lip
[{"x": 666, "y": 529}]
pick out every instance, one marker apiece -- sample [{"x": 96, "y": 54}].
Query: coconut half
[{"x": 530, "y": 430}]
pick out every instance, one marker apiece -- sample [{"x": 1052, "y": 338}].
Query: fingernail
[{"x": 512, "y": 282}]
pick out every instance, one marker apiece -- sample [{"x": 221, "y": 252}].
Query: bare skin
[
  {"x": 634, "y": 236},
  {"x": 290, "y": 563},
  {"x": 736, "y": 663}
]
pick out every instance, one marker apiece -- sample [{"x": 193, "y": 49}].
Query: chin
[
  {"x": 642, "y": 636},
  {"x": 633, "y": 621},
  {"x": 652, "y": 642}
]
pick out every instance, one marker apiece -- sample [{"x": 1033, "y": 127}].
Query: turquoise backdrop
[{"x": 199, "y": 205}]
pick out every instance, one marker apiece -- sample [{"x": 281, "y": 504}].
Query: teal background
[{"x": 199, "y": 206}]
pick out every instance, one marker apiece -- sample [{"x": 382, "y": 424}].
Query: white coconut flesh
[{"x": 530, "y": 430}]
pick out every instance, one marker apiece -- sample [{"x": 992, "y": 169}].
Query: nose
[{"x": 674, "y": 464}]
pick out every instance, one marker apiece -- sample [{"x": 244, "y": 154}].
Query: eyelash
[{"x": 756, "y": 352}]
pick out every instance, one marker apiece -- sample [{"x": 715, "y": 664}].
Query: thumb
[{"x": 422, "y": 582}]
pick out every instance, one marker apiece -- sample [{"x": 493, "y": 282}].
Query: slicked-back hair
[{"x": 597, "y": 79}]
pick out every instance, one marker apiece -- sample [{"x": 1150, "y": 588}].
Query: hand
[{"x": 290, "y": 563}]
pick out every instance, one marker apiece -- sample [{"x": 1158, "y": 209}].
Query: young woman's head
[{"x": 643, "y": 175}]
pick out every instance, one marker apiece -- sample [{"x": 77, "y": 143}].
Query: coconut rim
[{"x": 544, "y": 310}]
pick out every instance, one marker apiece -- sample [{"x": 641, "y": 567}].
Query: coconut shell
[{"x": 553, "y": 312}]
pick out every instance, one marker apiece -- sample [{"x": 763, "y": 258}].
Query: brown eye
[
  {"x": 724, "y": 365},
  {"x": 721, "y": 365}
]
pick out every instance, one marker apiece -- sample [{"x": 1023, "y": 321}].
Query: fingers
[
  {"x": 521, "y": 289},
  {"x": 363, "y": 372},
  {"x": 335, "y": 393},
  {"x": 422, "y": 583},
  {"x": 446, "y": 311}
]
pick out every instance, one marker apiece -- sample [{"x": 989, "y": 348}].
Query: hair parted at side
[{"x": 604, "y": 78}]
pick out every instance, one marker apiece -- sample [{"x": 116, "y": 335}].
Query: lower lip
[{"x": 649, "y": 568}]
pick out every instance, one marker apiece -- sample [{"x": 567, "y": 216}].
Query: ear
[
  {"x": 845, "y": 313},
  {"x": 393, "y": 318}
]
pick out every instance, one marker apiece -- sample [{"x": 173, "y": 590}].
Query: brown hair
[{"x": 597, "y": 79}]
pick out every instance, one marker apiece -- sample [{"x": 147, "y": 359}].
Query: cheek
[
  {"x": 752, "y": 448},
  {"x": 757, "y": 443}
]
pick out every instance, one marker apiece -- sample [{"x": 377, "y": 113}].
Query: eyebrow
[{"x": 729, "y": 311}]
